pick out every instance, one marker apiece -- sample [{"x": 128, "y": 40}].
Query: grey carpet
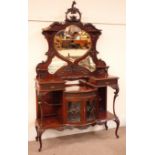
[{"x": 92, "y": 143}]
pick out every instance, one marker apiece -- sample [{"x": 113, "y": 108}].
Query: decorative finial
[
  {"x": 73, "y": 14},
  {"x": 73, "y": 4}
]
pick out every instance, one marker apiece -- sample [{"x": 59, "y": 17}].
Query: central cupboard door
[
  {"x": 90, "y": 110},
  {"x": 74, "y": 112},
  {"x": 80, "y": 111}
]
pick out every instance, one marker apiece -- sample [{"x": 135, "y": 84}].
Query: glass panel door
[
  {"x": 90, "y": 110},
  {"x": 74, "y": 112}
]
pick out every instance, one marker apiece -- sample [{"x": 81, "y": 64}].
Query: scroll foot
[
  {"x": 117, "y": 126},
  {"x": 40, "y": 140},
  {"x": 106, "y": 126}
]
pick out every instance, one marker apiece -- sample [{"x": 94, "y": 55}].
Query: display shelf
[{"x": 50, "y": 122}]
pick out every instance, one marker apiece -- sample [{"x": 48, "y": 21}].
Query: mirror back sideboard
[{"x": 71, "y": 84}]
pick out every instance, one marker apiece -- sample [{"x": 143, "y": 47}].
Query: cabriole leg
[
  {"x": 37, "y": 133},
  {"x": 116, "y": 118},
  {"x": 117, "y": 126},
  {"x": 40, "y": 140}
]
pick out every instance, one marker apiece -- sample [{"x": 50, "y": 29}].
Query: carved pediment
[{"x": 91, "y": 28}]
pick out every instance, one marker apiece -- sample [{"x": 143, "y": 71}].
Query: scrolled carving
[
  {"x": 72, "y": 71},
  {"x": 91, "y": 28},
  {"x": 73, "y": 11},
  {"x": 100, "y": 64},
  {"x": 101, "y": 72},
  {"x": 52, "y": 28}
]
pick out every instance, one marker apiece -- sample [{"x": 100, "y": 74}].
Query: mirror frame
[{"x": 72, "y": 67}]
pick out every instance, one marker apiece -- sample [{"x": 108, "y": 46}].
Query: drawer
[
  {"x": 50, "y": 87},
  {"x": 106, "y": 82},
  {"x": 80, "y": 95}
]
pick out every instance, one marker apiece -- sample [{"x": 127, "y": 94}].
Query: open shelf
[
  {"x": 54, "y": 122},
  {"x": 49, "y": 122},
  {"x": 106, "y": 116}
]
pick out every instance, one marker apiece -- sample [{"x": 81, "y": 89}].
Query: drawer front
[
  {"x": 51, "y": 86},
  {"x": 80, "y": 95},
  {"x": 106, "y": 82}
]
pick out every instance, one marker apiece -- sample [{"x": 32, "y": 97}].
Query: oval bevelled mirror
[{"x": 72, "y": 42}]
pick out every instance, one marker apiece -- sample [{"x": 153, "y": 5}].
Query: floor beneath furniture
[{"x": 92, "y": 143}]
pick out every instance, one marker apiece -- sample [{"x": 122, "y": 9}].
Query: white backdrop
[{"x": 108, "y": 15}]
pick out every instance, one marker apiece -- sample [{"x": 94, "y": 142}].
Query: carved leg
[
  {"x": 40, "y": 140},
  {"x": 117, "y": 126},
  {"x": 106, "y": 126},
  {"x": 116, "y": 118},
  {"x": 37, "y": 133}
]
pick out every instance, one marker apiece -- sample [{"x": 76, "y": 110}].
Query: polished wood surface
[
  {"x": 56, "y": 123},
  {"x": 60, "y": 104}
]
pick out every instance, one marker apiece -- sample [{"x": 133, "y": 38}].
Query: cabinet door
[
  {"x": 74, "y": 111},
  {"x": 90, "y": 110}
]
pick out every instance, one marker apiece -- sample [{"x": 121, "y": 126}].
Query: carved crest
[{"x": 75, "y": 14}]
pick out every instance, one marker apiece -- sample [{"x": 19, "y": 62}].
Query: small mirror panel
[
  {"x": 88, "y": 63},
  {"x": 55, "y": 65}
]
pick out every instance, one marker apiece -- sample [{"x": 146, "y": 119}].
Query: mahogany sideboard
[{"x": 71, "y": 84}]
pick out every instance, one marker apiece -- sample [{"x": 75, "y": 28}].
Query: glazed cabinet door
[
  {"x": 90, "y": 110},
  {"x": 74, "y": 109},
  {"x": 80, "y": 111}
]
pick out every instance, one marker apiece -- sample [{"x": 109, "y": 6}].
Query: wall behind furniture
[{"x": 108, "y": 15}]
